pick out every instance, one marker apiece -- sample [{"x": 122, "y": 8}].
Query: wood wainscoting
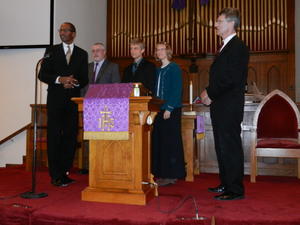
[
  {"x": 269, "y": 71},
  {"x": 199, "y": 154}
]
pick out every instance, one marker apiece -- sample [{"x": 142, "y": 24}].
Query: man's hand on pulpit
[{"x": 204, "y": 98}]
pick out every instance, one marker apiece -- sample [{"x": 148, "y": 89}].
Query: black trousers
[
  {"x": 62, "y": 129},
  {"x": 167, "y": 147},
  {"x": 229, "y": 150}
]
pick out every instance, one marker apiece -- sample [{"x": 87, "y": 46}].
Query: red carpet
[{"x": 272, "y": 200}]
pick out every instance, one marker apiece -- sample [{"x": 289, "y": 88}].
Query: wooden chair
[{"x": 276, "y": 130}]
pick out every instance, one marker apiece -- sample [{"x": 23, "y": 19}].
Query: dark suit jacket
[
  {"x": 108, "y": 73},
  {"x": 144, "y": 74},
  {"x": 227, "y": 79},
  {"x": 56, "y": 65}
]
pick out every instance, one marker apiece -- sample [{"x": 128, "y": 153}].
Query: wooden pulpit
[{"x": 119, "y": 170}]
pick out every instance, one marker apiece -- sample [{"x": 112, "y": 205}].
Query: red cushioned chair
[{"x": 276, "y": 125}]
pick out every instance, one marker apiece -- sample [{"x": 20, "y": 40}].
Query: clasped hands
[
  {"x": 68, "y": 82},
  {"x": 167, "y": 115}
]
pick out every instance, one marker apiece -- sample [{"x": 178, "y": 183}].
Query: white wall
[
  {"x": 18, "y": 65},
  {"x": 297, "y": 40},
  {"x": 89, "y": 17},
  {"x": 16, "y": 93}
]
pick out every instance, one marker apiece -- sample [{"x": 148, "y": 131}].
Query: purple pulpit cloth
[
  {"x": 106, "y": 111},
  {"x": 200, "y": 125},
  {"x": 200, "y": 128}
]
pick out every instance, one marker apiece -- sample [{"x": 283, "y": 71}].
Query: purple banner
[
  {"x": 106, "y": 109},
  {"x": 203, "y": 2},
  {"x": 178, "y": 4},
  {"x": 181, "y": 4}
]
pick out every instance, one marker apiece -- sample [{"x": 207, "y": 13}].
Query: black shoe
[
  {"x": 227, "y": 196},
  {"x": 165, "y": 181},
  {"x": 218, "y": 189},
  {"x": 58, "y": 182},
  {"x": 83, "y": 171},
  {"x": 67, "y": 180}
]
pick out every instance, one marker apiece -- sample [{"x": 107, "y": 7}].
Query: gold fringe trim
[
  {"x": 200, "y": 136},
  {"x": 94, "y": 135}
]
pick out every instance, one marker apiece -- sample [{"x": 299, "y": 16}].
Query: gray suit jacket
[{"x": 108, "y": 73}]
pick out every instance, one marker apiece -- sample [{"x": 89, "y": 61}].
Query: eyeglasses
[
  {"x": 220, "y": 21},
  {"x": 160, "y": 49},
  {"x": 64, "y": 30},
  {"x": 98, "y": 50}
]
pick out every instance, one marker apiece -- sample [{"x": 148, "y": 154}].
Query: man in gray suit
[{"x": 101, "y": 70}]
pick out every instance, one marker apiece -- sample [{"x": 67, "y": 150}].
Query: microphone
[
  {"x": 40, "y": 61},
  {"x": 47, "y": 55}
]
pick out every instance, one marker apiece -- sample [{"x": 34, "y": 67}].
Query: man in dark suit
[
  {"x": 225, "y": 95},
  {"x": 141, "y": 70},
  {"x": 101, "y": 71},
  {"x": 65, "y": 71}
]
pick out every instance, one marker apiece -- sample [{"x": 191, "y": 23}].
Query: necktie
[
  {"x": 134, "y": 68},
  {"x": 68, "y": 54},
  {"x": 219, "y": 49},
  {"x": 95, "y": 73}
]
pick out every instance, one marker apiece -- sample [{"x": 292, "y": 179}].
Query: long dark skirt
[{"x": 167, "y": 147}]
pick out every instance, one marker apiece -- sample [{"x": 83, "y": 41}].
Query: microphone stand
[
  {"x": 197, "y": 216},
  {"x": 32, "y": 194}
]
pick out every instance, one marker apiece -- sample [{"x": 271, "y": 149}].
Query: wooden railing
[{"x": 15, "y": 133}]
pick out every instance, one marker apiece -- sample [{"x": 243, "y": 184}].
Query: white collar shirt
[
  {"x": 65, "y": 46},
  {"x": 226, "y": 40},
  {"x": 100, "y": 63}
]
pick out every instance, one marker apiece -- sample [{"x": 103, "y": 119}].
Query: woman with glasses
[{"x": 167, "y": 148}]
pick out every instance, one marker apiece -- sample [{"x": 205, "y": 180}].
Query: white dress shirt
[
  {"x": 226, "y": 40},
  {"x": 98, "y": 68},
  {"x": 65, "y": 46}
]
